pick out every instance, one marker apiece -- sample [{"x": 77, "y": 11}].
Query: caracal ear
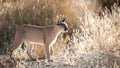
[
  {"x": 58, "y": 23},
  {"x": 63, "y": 20}
]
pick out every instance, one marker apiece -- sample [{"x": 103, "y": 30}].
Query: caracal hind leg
[
  {"x": 15, "y": 45},
  {"x": 17, "y": 41}
]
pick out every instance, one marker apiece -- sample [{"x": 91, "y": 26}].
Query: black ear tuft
[
  {"x": 63, "y": 20},
  {"x": 58, "y": 22}
]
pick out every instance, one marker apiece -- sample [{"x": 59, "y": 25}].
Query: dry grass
[
  {"x": 97, "y": 44},
  {"x": 35, "y": 12},
  {"x": 94, "y": 40}
]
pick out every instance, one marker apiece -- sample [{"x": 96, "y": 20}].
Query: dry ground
[{"x": 95, "y": 59}]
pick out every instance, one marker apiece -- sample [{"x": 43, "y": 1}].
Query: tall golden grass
[
  {"x": 39, "y": 12},
  {"x": 36, "y": 12},
  {"x": 88, "y": 32},
  {"x": 97, "y": 36}
]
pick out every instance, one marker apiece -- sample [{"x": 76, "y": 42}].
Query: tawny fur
[{"x": 44, "y": 35}]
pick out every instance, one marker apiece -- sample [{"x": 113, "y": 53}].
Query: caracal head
[{"x": 62, "y": 23}]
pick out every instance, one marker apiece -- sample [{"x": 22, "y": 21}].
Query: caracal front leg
[
  {"x": 47, "y": 53},
  {"x": 51, "y": 50}
]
